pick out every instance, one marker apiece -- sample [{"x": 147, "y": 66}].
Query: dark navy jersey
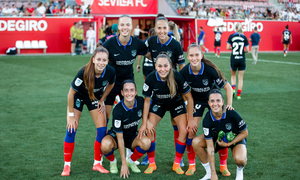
[
  {"x": 218, "y": 36},
  {"x": 203, "y": 82},
  {"x": 171, "y": 47},
  {"x": 230, "y": 121},
  {"x": 161, "y": 93},
  {"x": 127, "y": 120},
  {"x": 238, "y": 42},
  {"x": 286, "y": 35},
  {"x": 122, "y": 57},
  {"x": 108, "y": 76}
]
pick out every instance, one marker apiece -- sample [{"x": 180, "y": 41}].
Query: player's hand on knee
[
  {"x": 101, "y": 107},
  {"x": 142, "y": 131}
]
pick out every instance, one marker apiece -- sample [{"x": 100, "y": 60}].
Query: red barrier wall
[
  {"x": 55, "y": 31},
  {"x": 270, "y": 32}
]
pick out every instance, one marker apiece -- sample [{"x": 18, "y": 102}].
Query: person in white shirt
[
  {"x": 297, "y": 6},
  {"x": 137, "y": 31},
  {"x": 14, "y": 10},
  {"x": 203, "y": 14},
  {"x": 91, "y": 40},
  {"x": 282, "y": 14},
  {"x": 69, "y": 11},
  {"x": 83, "y": 7},
  {"x": 290, "y": 15},
  {"x": 6, "y": 11},
  {"x": 41, "y": 10}
]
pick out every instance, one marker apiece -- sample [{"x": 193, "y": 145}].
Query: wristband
[{"x": 71, "y": 114}]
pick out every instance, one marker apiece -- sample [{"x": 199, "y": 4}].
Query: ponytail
[{"x": 174, "y": 28}]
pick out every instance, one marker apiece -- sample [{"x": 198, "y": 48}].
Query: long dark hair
[
  {"x": 208, "y": 62},
  {"x": 89, "y": 73}
]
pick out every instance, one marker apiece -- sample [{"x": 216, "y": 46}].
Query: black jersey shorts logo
[
  {"x": 205, "y": 82},
  {"x": 133, "y": 53},
  {"x": 78, "y": 103},
  {"x": 155, "y": 108},
  {"x": 140, "y": 112},
  {"x": 228, "y": 126}
]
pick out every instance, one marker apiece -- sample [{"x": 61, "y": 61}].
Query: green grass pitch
[{"x": 33, "y": 100}]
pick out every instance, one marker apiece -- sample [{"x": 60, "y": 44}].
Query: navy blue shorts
[{"x": 175, "y": 111}]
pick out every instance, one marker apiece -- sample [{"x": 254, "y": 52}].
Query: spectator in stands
[
  {"x": 298, "y": 16},
  {"x": 211, "y": 14},
  {"x": 289, "y": 15},
  {"x": 14, "y": 10},
  {"x": 69, "y": 11},
  {"x": 265, "y": 14},
  {"x": 87, "y": 11},
  {"x": 6, "y": 11},
  {"x": 222, "y": 13},
  {"x": 282, "y": 14},
  {"x": 179, "y": 10},
  {"x": 193, "y": 12},
  {"x": 83, "y": 7},
  {"x": 230, "y": 13},
  {"x": 212, "y": 8},
  {"x": 203, "y": 14},
  {"x": 55, "y": 10},
  {"x": 48, "y": 10},
  {"x": 240, "y": 14},
  {"x": 22, "y": 10},
  {"x": 297, "y": 6},
  {"x": 27, "y": 13},
  {"x": 259, "y": 15},
  {"x": 276, "y": 15},
  {"x": 295, "y": 17},
  {"x": 251, "y": 15},
  {"x": 74, "y": 10},
  {"x": 219, "y": 9},
  {"x": 247, "y": 11},
  {"x": 30, "y": 9},
  {"x": 62, "y": 10},
  {"x": 185, "y": 12},
  {"x": 79, "y": 9},
  {"x": 40, "y": 10},
  {"x": 291, "y": 3}
]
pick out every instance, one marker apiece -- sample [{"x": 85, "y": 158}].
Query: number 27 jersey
[{"x": 238, "y": 42}]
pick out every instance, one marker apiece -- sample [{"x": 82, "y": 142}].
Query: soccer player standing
[
  {"x": 164, "y": 87},
  {"x": 202, "y": 74},
  {"x": 239, "y": 45},
  {"x": 216, "y": 120},
  {"x": 217, "y": 44},
  {"x": 91, "y": 86},
  {"x": 286, "y": 39}
]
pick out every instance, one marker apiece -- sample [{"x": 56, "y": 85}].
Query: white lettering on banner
[
  {"x": 21, "y": 25},
  {"x": 247, "y": 27},
  {"x": 121, "y": 3}
]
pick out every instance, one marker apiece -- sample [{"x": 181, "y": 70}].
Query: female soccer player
[
  {"x": 217, "y": 43},
  {"x": 126, "y": 118},
  {"x": 165, "y": 43},
  {"x": 174, "y": 30},
  {"x": 216, "y": 120},
  {"x": 286, "y": 39},
  {"x": 202, "y": 74},
  {"x": 166, "y": 84},
  {"x": 123, "y": 49},
  {"x": 239, "y": 45},
  {"x": 91, "y": 86}
]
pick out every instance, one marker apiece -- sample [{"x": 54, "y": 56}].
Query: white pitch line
[{"x": 263, "y": 60}]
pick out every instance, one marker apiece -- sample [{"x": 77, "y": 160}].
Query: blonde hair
[
  {"x": 174, "y": 28},
  {"x": 171, "y": 82},
  {"x": 239, "y": 28}
]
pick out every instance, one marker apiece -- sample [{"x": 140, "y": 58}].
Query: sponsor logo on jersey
[
  {"x": 205, "y": 82},
  {"x": 133, "y": 53},
  {"x": 136, "y": 123},
  {"x": 21, "y": 25},
  {"x": 206, "y": 131},
  {"x": 153, "y": 50},
  {"x": 117, "y": 123},
  {"x": 116, "y": 54},
  {"x": 125, "y": 63},
  {"x": 241, "y": 123},
  {"x": 140, "y": 113},
  {"x": 228, "y": 126},
  {"x": 206, "y": 89},
  {"x": 104, "y": 83},
  {"x": 145, "y": 87},
  {"x": 163, "y": 96},
  {"x": 78, "y": 82}
]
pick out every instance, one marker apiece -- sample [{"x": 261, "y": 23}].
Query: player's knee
[
  {"x": 106, "y": 145},
  {"x": 240, "y": 161},
  {"x": 197, "y": 142},
  {"x": 145, "y": 143}
]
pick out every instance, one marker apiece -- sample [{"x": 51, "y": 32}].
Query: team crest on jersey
[
  {"x": 169, "y": 53},
  {"x": 140, "y": 112},
  {"x": 77, "y": 104},
  {"x": 205, "y": 82},
  {"x": 146, "y": 87},
  {"x": 104, "y": 83},
  {"x": 78, "y": 82},
  {"x": 206, "y": 131},
  {"x": 117, "y": 123},
  {"x": 155, "y": 108},
  {"x": 133, "y": 53},
  {"x": 228, "y": 126}
]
